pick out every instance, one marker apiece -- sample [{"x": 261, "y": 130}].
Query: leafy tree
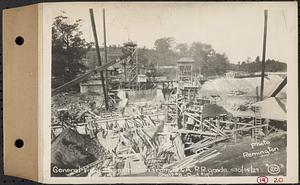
[
  {"x": 182, "y": 49},
  {"x": 271, "y": 65},
  {"x": 143, "y": 59},
  {"x": 257, "y": 60},
  {"x": 68, "y": 50},
  {"x": 219, "y": 63},
  {"x": 163, "y": 48},
  {"x": 275, "y": 66},
  {"x": 208, "y": 60},
  {"x": 146, "y": 56},
  {"x": 164, "y": 45}
]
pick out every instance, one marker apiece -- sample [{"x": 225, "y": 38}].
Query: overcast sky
[{"x": 233, "y": 28}]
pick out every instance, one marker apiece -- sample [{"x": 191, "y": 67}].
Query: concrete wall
[{"x": 92, "y": 86}]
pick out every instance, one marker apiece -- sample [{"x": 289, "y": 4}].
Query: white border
[{"x": 45, "y": 142}]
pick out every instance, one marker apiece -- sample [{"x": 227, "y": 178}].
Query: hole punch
[
  {"x": 19, "y": 40},
  {"x": 19, "y": 143}
]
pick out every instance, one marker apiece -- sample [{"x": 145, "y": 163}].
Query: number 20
[{"x": 278, "y": 179}]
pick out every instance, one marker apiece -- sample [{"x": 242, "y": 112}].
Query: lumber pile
[
  {"x": 192, "y": 160},
  {"x": 173, "y": 135},
  {"x": 203, "y": 144}
]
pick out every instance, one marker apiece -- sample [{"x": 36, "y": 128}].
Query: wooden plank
[
  {"x": 204, "y": 159},
  {"x": 179, "y": 147},
  {"x": 180, "y": 161},
  {"x": 99, "y": 119},
  {"x": 200, "y": 145},
  {"x": 247, "y": 128},
  {"x": 215, "y": 129},
  {"x": 195, "y": 132},
  {"x": 239, "y": 123},
  {"x": 280, "y": 87}
]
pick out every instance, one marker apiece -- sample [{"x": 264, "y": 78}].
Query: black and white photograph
[{"x": 171, "y": 89}]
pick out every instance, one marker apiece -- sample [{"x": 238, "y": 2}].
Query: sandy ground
[
  {"x": 246, "y": 86},
  {"x": 231, "y": 93},
  {"x": 242, "y": 159}
]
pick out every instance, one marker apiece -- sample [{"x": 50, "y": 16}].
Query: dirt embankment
[
  {"x": 73, "y": 150},
  {"x": 245, "y": 86}
]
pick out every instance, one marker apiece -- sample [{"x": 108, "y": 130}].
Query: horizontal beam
[{"x": 184, "y": 131}]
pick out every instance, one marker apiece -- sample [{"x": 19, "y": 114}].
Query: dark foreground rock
[{"x": 71, "y": 150}]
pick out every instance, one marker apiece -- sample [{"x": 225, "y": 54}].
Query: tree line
[
  {"x": 250, "y": 66},
  {"x": 207, "y": 61},
  {"x": 69, "y": 48}
]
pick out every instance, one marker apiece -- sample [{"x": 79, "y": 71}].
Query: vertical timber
[
  {"x": 105, "y": 49},
  {"x": 99, "y": 57},
  {"x": 263, "y": 56}
]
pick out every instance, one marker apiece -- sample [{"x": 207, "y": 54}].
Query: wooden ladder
[{"x": 258, "y": 131}]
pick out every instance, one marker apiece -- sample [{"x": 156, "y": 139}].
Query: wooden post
[
  {"x": 252, "y": 132},
  {"x": 263, "y": 56},
  {"x": 183, "y": 120},
  {"x": 253, "y": 129},
  {"x": 105, "y": 49},
  {"x": 257, "y": 93},
  {"x": 218, "y": 125},
  {"x": 177, "y": 109},
  {"x": 235, "y": 130},
  {"x": 267, "y": 121},
  {"x": 201, "y": 124},
  {"x": 136, "y": 60},
  {"x": 99, "y": 57}
]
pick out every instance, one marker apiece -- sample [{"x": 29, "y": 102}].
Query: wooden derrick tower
[
  {"x": 130, "y": 68},
  {"x": 186, "y": 85}
]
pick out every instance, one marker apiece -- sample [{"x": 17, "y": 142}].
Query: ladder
[{"x": 258, "y": 131}]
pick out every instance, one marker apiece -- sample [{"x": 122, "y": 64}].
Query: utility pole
[
  {"x": 137, "y": 63},
  {"x": 263, "y": 56},
  {"x": 105, "y": 49},
  {"x": 99, "y": 57}
]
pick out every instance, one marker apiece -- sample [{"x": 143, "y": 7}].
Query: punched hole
[
  {"x": 19, "y": 40},
  {"x": 19, "y": 143}
]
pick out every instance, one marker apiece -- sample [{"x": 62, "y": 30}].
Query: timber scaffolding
[{"x": 171, "y": 135}]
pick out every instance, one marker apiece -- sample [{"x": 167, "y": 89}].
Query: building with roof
[{"x": 185, "y": 78}]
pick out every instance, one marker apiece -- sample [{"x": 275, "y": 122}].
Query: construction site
[{"x": 123, "y": 123}]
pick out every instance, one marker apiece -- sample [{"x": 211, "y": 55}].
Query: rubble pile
[{"x": 74, "y": 104}]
